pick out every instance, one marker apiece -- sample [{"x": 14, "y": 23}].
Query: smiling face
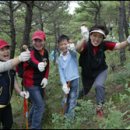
[
  {"x": 63, "y": 46},
  {"x": 5, "y": 53},
  {"x": 96, "y": 38},
  {"x": 38, "y": 44}
]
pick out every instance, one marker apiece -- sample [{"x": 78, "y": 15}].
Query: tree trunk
[
  {"x": 128, "y": 17},
  {"x": 125, "y": 21},
  {"x": 12, "y": 30},
  {"x": 121, "y": 31},
  {"x": 28, "y": 21}
]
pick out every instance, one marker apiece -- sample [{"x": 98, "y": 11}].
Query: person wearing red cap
[
  {"x": 8, "y": 82},
  {"x": 92, "y": 61},
  {"x": 35, "y": 78}
]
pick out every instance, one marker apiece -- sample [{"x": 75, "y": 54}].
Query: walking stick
[
  {"x": 25, "y": 47},
  {"x": 65, "y": 100},
  {"x": 26, "y": 111}
]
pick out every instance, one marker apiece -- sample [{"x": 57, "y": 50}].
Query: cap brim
[
  {"x": 37, "y": 37},
  {"x": 4, "y": 46},
  {"x": 98, "y": 31}
]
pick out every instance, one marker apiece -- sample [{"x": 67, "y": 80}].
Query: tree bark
[
  {"x": 121, "y": 30},
  {"x": 12, "y": 30},
  {"x": 28, "y": 21}
]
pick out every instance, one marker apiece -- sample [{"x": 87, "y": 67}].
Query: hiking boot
[{"x": 99, "y": 111}]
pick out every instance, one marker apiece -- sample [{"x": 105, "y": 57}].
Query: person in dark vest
[
  {"x": 8, "y": 82},
  {"x": 35, "y": 78},
  {"x": 92, "y": 61}
]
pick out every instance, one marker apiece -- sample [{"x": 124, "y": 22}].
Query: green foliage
[
  {"x": 84, "y": 112},
  {"x": 113, "y": 121},
  {"x": 114, "y": 118}
]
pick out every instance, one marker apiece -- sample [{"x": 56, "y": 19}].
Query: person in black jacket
[
  {"x": 8, "y": 82},
  {"x": 92, "y": 61}
]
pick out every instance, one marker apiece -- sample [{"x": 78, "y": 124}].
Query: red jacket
[{"x": 31, "y": 74}]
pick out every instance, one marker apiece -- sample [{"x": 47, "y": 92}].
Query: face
[
  {"x": 4, "y": 53},
  {"x": 63, "y": 46},
  {"x": 38, "y": 44},
  {"x": 96, "y": 38}
]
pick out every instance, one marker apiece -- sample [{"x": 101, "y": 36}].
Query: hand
[
  {"x": 24, "y": 94},
  {"x": 24, "y": 56},
  {"x": 41, "y": 66},
  {"x": 44, "y": 82},
  {"x": 71, "y": 46},
  {"x": 128, "y": 39},
  {"x": 84, "y": 32},
  {"x": 65, "y": 89}
]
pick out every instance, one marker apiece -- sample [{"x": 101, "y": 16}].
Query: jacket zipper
[{"x": 9, "y": 86}]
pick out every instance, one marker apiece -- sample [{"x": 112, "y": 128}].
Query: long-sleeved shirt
[
  {"x": 7, "y": 65},
  {"x": 68, "y": 66}
]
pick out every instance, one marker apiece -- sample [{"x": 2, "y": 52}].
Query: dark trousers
[
  {"x": 6, "y": 117},
  {"x": 98, "y": 83},
  {"x": 87, "y": 85}
]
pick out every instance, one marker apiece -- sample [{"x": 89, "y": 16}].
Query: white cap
[{"x": 99, "y": 31}]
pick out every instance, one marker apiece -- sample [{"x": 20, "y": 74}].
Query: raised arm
[
  {"x": 123, "y": 44},
  {"x": 7, "y": 65},
  {"x": 80, "y": 46}
]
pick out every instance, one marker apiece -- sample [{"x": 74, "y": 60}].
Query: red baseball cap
[
  {"x": 39, "y": 35},
  {"x": 3, "y": 43}
]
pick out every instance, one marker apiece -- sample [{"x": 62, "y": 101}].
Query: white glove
[
  {"x": 24, "y": 94},
  {"x": 128, "y": 39},
  {"x": 65, "y": 89},
  {"x": 24, "y": 56},
  {"x": 71, "y": 46},
  {"x": 84, "y": 32},
  {"x": 44, "y": 82},
  {"x": 41, "y": 66}
]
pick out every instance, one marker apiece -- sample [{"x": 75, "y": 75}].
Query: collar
[{"x": 61, "y": 54}]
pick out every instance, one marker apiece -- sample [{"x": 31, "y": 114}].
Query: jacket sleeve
[
  {"x": 62, "y": 78},
  {"x": 47, "y": 70},
  {"x": 4, "y": 66}
]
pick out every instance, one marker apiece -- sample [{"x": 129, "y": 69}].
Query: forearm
[
  {"x": 47, "y": 71},
  {"x": 62, "y": 76},
  {"x": 79, "y": 47},
  {"x": 4, "y": 66},
  {"x": 16, "y": 86},
  {"x": 121, "y": 45}
]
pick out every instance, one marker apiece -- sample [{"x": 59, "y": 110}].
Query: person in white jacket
[{"x": 8, "y": 82}]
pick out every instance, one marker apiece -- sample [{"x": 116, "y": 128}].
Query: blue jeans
[
  {"x": 37, "y": 108},
  {"x": 72, "y": 98}
]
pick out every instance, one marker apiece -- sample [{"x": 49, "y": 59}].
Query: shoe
[{"x": 99, "y": 111}]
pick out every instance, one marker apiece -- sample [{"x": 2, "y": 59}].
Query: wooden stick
[
  {"x": 25, "y": 47},
  {"x": 66, "y": 98}
]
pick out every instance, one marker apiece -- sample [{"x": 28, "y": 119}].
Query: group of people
[{"x": 35, "y": 66}]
